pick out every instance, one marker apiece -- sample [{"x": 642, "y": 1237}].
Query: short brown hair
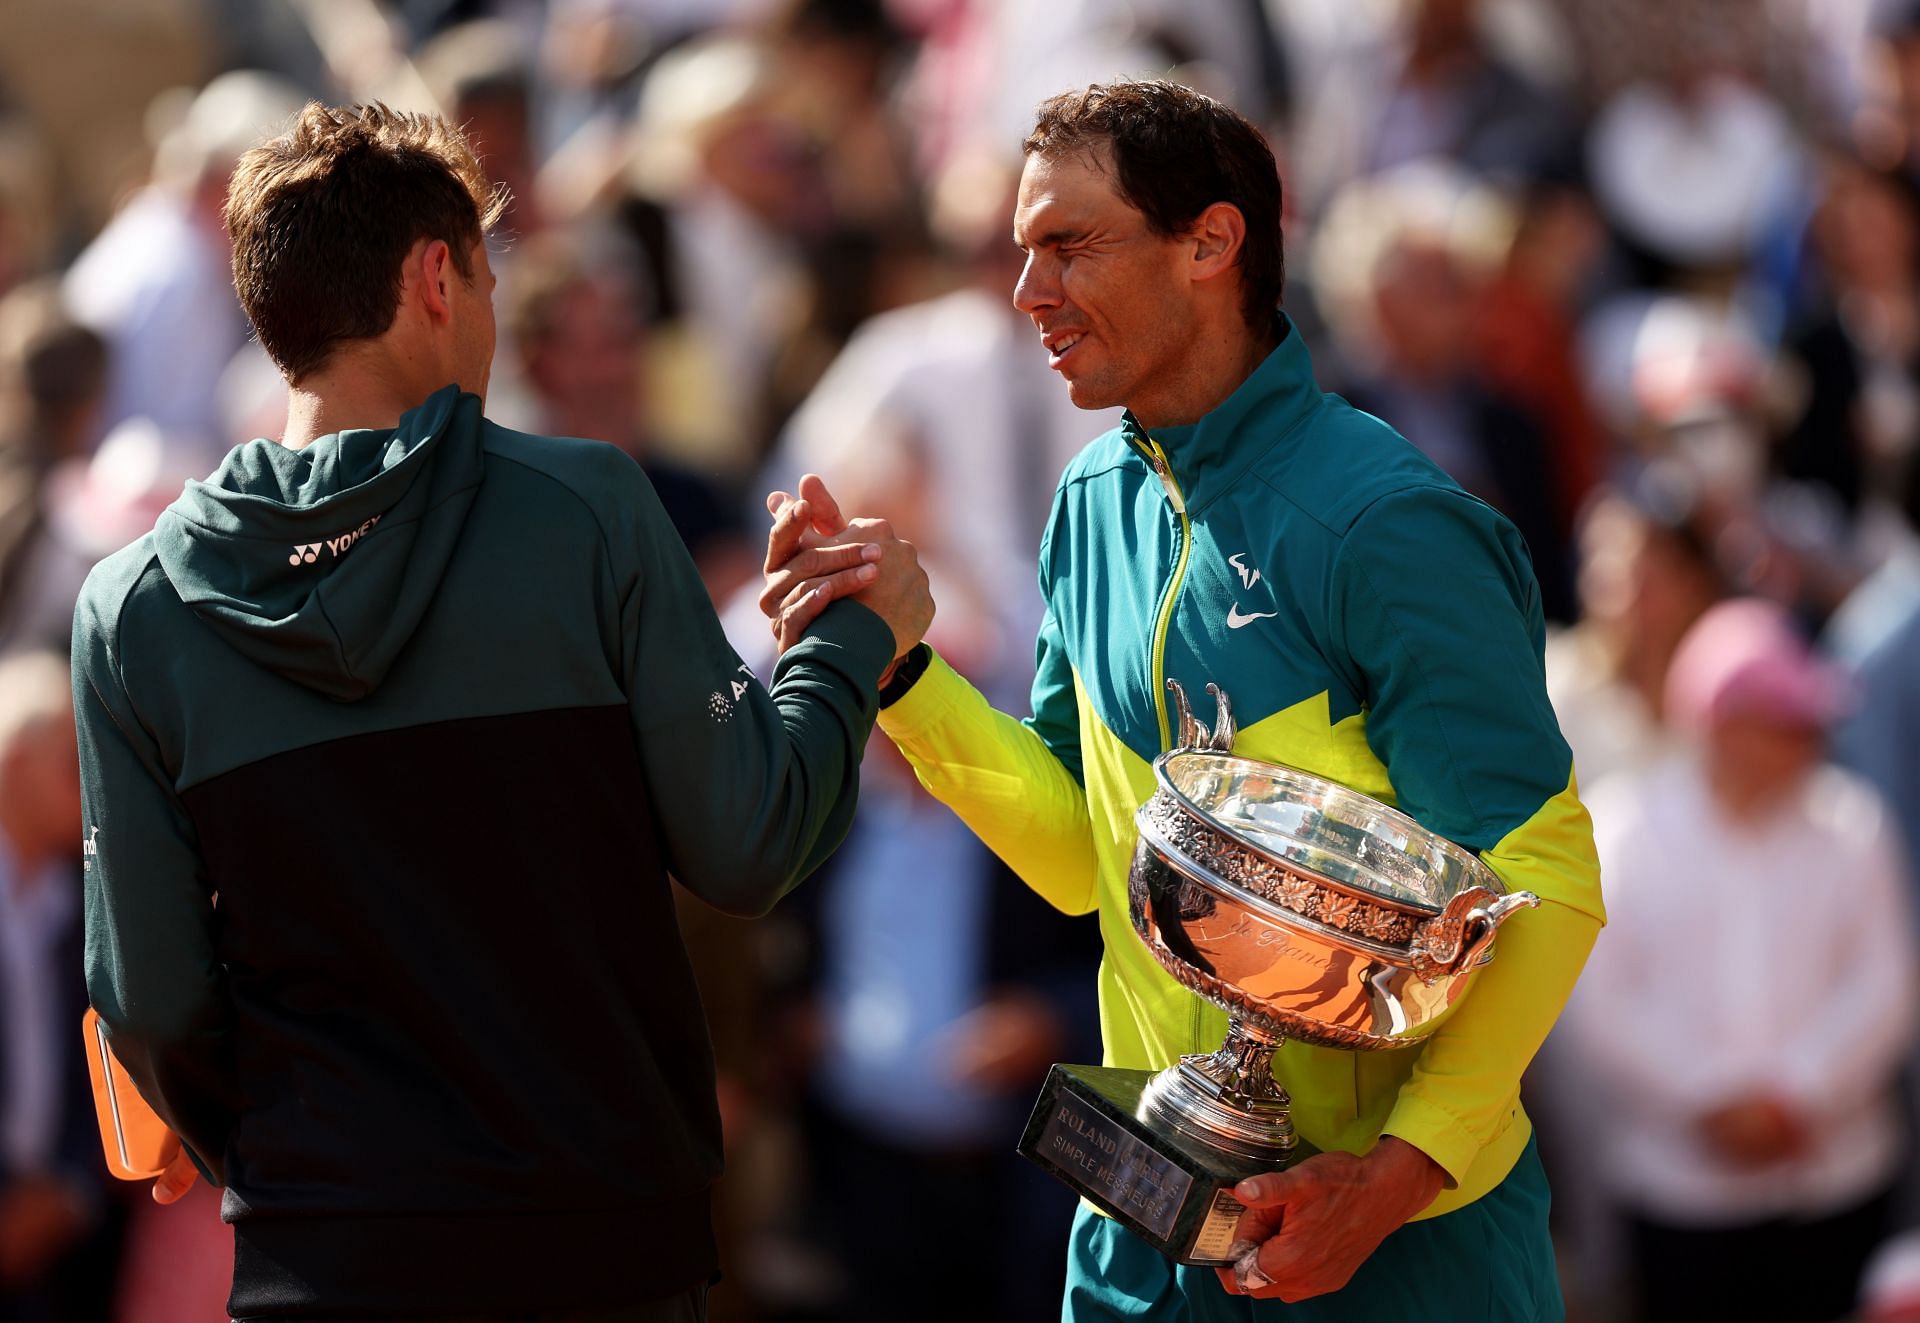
[
  {"x": 1175, "y": 153},
  {"x": 323, "y": 217}
]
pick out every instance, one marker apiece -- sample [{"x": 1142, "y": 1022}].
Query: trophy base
[{"x": 1167, "y": 1186}]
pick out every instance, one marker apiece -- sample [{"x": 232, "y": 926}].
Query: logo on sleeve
[
  {"x": 1248, "y": 577},
  {"x": 306, "y": 553},
  {"x": 719, "y": 706}
]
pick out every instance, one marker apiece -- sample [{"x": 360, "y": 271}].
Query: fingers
[
  {"x": 827, "y": 519},
  {"x": 1268, "y": 1190},
  {"x": 790, "y": 524},
  {"x": 791, "y": 625},
  {"x": 803, "y": 604},
  {"x": 813, "y": 563},
  {"x": 176, "y": 1180}
]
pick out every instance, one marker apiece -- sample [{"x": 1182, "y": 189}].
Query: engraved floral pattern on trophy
[{"x": 1274, "y": 881}]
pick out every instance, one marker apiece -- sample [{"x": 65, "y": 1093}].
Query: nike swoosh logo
[{"x": 1235, "y": 620}]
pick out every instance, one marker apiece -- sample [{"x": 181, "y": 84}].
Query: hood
[{"x": 319, "y": 563}]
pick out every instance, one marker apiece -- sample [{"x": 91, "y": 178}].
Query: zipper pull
[{"x": 1158, "y": 459}]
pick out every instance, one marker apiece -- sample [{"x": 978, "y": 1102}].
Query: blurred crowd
[{"x": 1644, "y": 274}]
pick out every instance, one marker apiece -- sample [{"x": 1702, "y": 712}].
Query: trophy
[{"x": 1302, "y": 909}]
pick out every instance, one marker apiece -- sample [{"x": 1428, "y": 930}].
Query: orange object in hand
[{"x": 138, "y": 1144}]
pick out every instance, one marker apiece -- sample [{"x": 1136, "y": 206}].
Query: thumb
[
  {"x": 1268, "y": 1190},
  {"x": 827, "y": 519},
  {"x": 176, "y": 1180}
]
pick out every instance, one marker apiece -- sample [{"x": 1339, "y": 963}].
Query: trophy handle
[
  {"x": 1192, "y": 732},
  {"x": 1460, "y": 934}
]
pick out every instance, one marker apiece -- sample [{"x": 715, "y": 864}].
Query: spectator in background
[
  {"x": 1877, "y": 636},
  {"x": 1646, "y": 574},
  {"x": 1887, "y": 126},
  {"x": 1403, "y": 260},
  {"x": 481, "y": 73},
  {"x": 57, "y": 1236},
  {"x": 1857, "y": 347},
  {"x": 839, "y": 60},
  {"x": 1743, "y": 1022},
  {"x": 26, "y": 202},
  {"x": 1697, "y": 172},
  {"x": 576, "y": 314},
  {"x": 155, "y": 283},
  {"x": 89, "y": 508},
  {"x": 52, "y": 378},
  {"x": 1528, "y": 327},
  {"x": 722, "y": 195},
  {"x": 1427, "y": 85}
]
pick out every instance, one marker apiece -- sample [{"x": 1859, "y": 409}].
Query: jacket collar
[{"x": 1209, "y": 456}]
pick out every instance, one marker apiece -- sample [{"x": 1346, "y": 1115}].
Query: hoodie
[{"x": 388, "y": 746}]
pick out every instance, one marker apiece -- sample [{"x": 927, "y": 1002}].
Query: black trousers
[
  {"x": 1777, "y": 1271},
  {"x": 687, "y": 1307}
]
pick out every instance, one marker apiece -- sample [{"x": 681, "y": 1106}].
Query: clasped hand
[
  {"x": 1308, "y": 1229},
  {"x": 816, "y": 555}
]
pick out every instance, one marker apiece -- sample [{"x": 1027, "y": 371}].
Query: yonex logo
[{"x": 306, "y": 553}]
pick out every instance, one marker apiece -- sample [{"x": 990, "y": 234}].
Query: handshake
[{"x": 815, "y": 555}]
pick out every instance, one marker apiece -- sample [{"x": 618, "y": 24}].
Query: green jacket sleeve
[
  {"x": 1016, "y": 784},
  {"x": 752, "y": 789},
  {"x": 152, "y": 971},
  {"x": 1437, "y": 612}
]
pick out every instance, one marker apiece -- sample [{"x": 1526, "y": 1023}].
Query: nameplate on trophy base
[{"x": 1168, "y": 1189}]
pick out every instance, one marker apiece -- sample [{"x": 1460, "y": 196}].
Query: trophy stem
[
  {"x": 1242, "y": 1067},
  {"x": 1228, "y": 1099}
]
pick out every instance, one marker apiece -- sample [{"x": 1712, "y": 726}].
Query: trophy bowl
[{"x": 1304, "y": 910}]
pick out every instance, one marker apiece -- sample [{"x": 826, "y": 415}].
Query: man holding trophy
[{"x": 1380, "y": 633}]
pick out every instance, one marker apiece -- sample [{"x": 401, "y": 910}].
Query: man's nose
[{"x": 1038, "y": 287}]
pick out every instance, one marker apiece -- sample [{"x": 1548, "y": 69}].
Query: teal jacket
[
  {"x": 1372, "y": 623},
  {"x": 388, "y": 746}
]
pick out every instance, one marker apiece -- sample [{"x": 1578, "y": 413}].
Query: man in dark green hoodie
[{"x": 390, "y": 734}]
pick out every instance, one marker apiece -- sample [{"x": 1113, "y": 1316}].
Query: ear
[
  {"x": 437, "y": 274},
  {"x": 1217, "y": 235}
]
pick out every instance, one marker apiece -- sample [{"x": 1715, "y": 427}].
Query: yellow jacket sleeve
[
  {"x": 1464, "y": 1089},
  {"x": 1003, "y": 780}
]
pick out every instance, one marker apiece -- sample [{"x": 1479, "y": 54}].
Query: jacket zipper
[{"x": 1158, "y": 459}]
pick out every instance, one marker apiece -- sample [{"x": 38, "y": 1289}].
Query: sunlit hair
[
  {"x": 1176, "y": 152},
  {"x": 322, "y": 219}
]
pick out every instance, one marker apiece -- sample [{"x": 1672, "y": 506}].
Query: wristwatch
[{"x": 911, "y": 668}]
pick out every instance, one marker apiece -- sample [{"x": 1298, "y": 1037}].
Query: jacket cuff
[
  {"x": 1437, "y": 1133},
  {"x": 849, "y": 638},
  {"x": 926, "y": 703}
]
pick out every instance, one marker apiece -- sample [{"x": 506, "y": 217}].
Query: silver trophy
[{"x": 1304, "y": 910}]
